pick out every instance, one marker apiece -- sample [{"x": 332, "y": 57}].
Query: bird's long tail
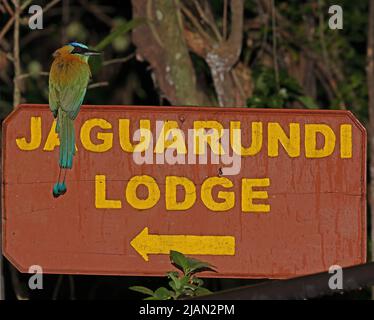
[{"x": 65, "y": 130}]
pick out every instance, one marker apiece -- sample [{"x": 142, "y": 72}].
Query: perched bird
[{"x": 68, "y": 80}]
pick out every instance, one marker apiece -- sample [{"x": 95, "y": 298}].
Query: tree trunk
[{"x": 162, "y": 44}]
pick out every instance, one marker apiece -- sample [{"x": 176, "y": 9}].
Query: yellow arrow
[{"x": 145, "y": 244}]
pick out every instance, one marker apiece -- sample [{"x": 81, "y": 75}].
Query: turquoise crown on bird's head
[{"x": 78, "y": 44}]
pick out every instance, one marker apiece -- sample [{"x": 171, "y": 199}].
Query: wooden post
[
  {"x": 370, "y": 81},
  {"x": 2, "y": 291}
]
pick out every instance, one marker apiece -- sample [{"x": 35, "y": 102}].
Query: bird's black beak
[{"x": 92, "y": 53}]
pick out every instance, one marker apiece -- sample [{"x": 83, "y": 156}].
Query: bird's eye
[{"x": 77, "y": 50}]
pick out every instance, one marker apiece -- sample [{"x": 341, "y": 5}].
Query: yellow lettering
[
  {"x": 124, "y": 135},
  {"x": 35, "y": 136},
  {"x": 202, "y": 138},
  {"x": 171, "y": 193},
  {"x": 228, "y": 197},
  {"x": 100, "y": 195},
  {"x": 236, "y": 138},
  {"x": 177, "y": 141},
  {"x": 153, "y": 192},
  {"x": 346, "y": 141},
  {"x": 106, "y": 138},
  {"x": 52, "y": 140},
  {"x": 248, "y": 195},
  {"x": 290, "y": 144},
  {"x": 311, "y": 131}
]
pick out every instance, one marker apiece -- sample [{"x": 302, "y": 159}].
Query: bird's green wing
[
  {"x": 71, "y": 96},
  {"x": 53, "y": 98}
]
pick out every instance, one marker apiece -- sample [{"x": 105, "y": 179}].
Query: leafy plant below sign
[{"x": 183, "y": 283}]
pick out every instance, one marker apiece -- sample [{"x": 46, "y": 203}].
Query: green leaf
[
  {"x": 195, "y": 265},
  {"x": 191, "y": 287},
  {"x": 179, "y": 260},
  {"x": 178, "y": 283},
  {"x": 202, "y": 291},
  {"x": 142, "y": 290},
  {"x": 173, "y": 286},
  {"x": 185, "y": 280},
  {"x": 162, "y": 294},
  {"x": 120, "y": 30},
  {"x": 189, "y": 293},
  {"x": 198, "y": 281},
  {"x": 172, "y": 275}
]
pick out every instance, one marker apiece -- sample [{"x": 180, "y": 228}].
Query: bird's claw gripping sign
[{"x": 257, "y": 193}]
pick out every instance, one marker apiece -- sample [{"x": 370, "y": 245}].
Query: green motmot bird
[{"x": 68, "y": 80}]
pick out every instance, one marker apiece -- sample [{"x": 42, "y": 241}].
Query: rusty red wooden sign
[{"x": 257, "y": 193}]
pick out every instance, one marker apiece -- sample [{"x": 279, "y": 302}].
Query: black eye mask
[{"x": 79, "y": 50}]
